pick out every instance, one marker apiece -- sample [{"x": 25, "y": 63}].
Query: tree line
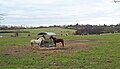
[
  {"x": 80, "y": 29},
  {"x": 95, "y": 29}
]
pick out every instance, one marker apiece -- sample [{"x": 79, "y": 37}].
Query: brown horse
[{"x": 55, "y": 40}]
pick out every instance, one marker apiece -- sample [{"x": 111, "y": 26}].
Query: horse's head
[{"x": 51, "y": 37}]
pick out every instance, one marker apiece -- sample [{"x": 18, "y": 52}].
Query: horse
[
  {"x": 55, "y": 40},
  {"x": 38, "y": 41}
]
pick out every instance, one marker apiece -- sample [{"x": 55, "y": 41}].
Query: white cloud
[{"x": 47, "y": 12}]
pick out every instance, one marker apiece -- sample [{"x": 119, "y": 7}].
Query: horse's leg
[
  {"x": 55, "y": 44},
  {"x": 40, "y": 44},
  {"x": 62, "y": 43}
]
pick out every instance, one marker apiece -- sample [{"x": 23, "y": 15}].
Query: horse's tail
[{"x": 31, "y": 43}]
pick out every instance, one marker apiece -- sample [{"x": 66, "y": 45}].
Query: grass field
[{"x": 80, "y": 52}]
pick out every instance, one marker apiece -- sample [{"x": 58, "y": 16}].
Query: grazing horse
[
  {"x": 55, "y": 40},
  {"x": 38, "y": 41}
]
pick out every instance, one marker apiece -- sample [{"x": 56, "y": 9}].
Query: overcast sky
[{"x": 59, "y": 12}]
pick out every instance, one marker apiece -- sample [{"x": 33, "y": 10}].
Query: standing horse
[
  {"x": 55, "y": 40},
  {"x": 38, "y": 41}
]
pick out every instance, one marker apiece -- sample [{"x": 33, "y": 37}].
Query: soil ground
[{"x": 70, "y": 45}]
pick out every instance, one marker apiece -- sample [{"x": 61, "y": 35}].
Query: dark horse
[{"x": 55, "y": 40}]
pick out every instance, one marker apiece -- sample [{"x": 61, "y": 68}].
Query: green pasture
[{"x": 102, "y": 52}]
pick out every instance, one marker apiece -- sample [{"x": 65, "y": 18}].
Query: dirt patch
[{"x": 70, "y": 45}]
